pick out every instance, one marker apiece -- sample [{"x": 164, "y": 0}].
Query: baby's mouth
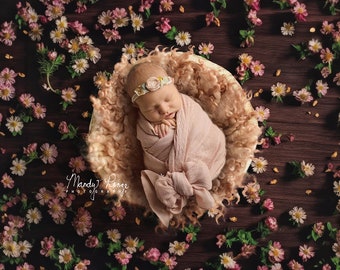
[{"x": 170, "y": 115}]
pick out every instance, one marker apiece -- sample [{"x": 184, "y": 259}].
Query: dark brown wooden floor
[{"x": 316, "y": 138}]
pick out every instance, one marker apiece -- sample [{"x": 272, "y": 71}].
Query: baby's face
[{"x": 161, "y": 104}]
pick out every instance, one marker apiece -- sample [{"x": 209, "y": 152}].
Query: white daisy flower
[
  {"x": 62, "y": 24},
  {"x": 227, "y": 261},
  {"x": 287, "y": 29},
  {"x": 19, "y": 167},
  {"x": 259, "y": 165},
  {"x": 298, "y": 215},
  {"x": 178, "y": 248},
  {"x": 80, "y": 65},
  {"x": 33, "y": 215},
  {"x": 129, "y": 50},
  {"x": 57, "y": 35},
  {"x": 336, "y": 188},
  {"x": 183, "y": 38},
  {"x": 136, "y": 22},
  {"x": 14, "y": 124},
  {"x": 307, "y": 168}
]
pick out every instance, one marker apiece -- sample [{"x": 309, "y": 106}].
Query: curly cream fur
[{"x": 115, "y": 154}]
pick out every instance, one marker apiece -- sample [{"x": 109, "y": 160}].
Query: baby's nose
[{"x": 163, "y": 108}]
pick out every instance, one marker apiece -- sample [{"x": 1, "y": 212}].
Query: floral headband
[{"x": 152, "y": 84}]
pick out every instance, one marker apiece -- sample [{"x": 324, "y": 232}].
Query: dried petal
[
  {"x": 275, "y": 170},
  {"x": 22, "y": 75},
  {"x": 315, "y": 102},
  {"x": 334, "y": 154},
  {"x": 308, "y": 191},
  {"x": 88, "y": 204},
  {"x": 181, "y": 9},
  {"x": 51, "y": 124},
  {"x": 273, "y": 182},
  {"x": 278, "y": 72},
  {"x": 316, "y": 115},
  {"x": 312, "y": 29},
  {"x": 43, "y": 172},
  {"x": 137, "y": 220},
  {"x": 233, "y": 219},
  {"x": 8, "y": 56}
]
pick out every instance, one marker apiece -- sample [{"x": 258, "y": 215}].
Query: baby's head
[{"x": 153, "y": 92}]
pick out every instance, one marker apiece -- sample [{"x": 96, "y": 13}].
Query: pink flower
[
  {"x": 247, "y": 250},
  {"x": 44, "y": 196},
  {"x": 165, "y": 5},
  {"x": 306, "y": 252},
  {"x": 123, "y": 257},
  {"x": 49, "y": 153},
  {"x": 253, "y": 4},
  {"x": 294, "y": 265},
  {"x": 277, "y": 139},
  {"x": 111, "y": 34},
  {"x": 77, "y": 164},
  {"x": 209, "y": 18},
  {"x": 257, "y": 68},
  {"x": 252, "y": 16},
  {"x": 326, "y": 267},
  {"x": 146, "y": 4},
  {"x": 271, "y": 223},
  {"x": 300, "y": 12},
  {"x": 39, "y": 111},
  {"x": 7, "y": 33},
  {"x": 326, "y": 55},
  {"x": 7, "y": 76},
  {"x": 47, "y": 246},
  {"x": 189, "y": 237},
  {"x": 92, "y": 241},
  {"x": 31, "y": 148},
  {"x": 163, "y": 25},
  {"x": 268, "y": 204},
  {"x": 170, "y": 262},
  {"x": 82, "y": 265},
  {"x": 7, "y": 181},
  {"x": 63, "y": 128},
  {"x": 220, "y": 240},
  {"x": 25, "y": 266},
  {"x": 241, "y": 71},
  {"x": 27, "y": 100},
  {"x": 82, "y": 222},
  {"x": 265, "y": 143},
  {"x": 78, "y": 27},
  {"x": 81, "y": 7},
  {"x": 57, "y": 211},
  {"x": 327, "y": 28},
  {"x": 276, "y": 253},
  {"x": 152, "y": 254},
  {"x": 117, "y": 213},
  {"x": 52, "y": 55}
]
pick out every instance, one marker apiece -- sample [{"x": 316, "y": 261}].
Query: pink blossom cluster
[
  {"x": 57, "y": 201},
  {"x": 82, "y": 222},
  {"x": 7, "y": 81},
  {"x": 248, "y": 67},
  {"x": 7, "y": 33}
]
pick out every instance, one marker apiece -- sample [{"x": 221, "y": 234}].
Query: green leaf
[{"x": 171, "y": 33}]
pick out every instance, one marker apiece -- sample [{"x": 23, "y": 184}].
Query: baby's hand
[{"x": 161, "y": 129}]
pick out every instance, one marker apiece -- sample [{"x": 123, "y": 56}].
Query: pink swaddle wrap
[{"x": 183, "y": 163}]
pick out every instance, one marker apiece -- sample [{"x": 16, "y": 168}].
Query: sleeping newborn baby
[{"x": 183, "y": 150}]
